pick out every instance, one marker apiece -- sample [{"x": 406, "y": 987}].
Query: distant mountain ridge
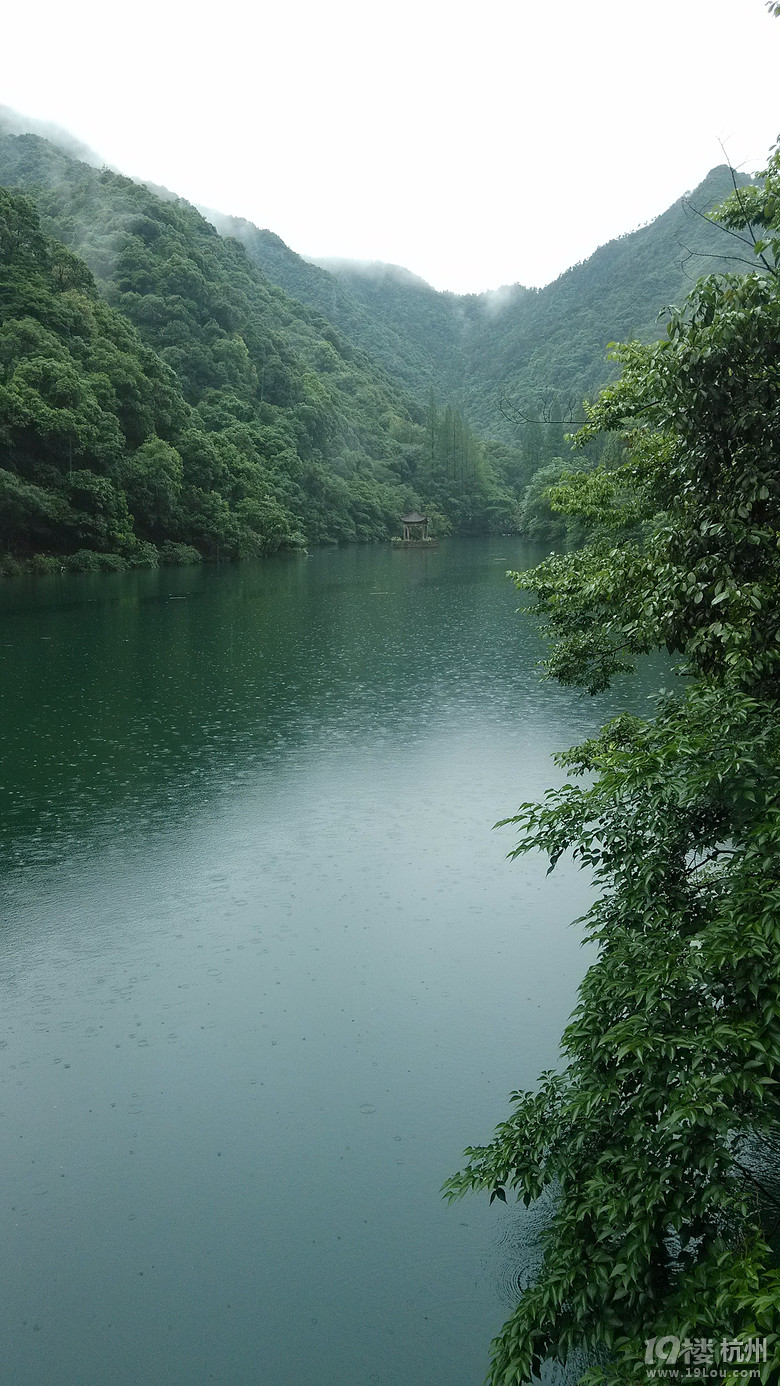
[
  {"x": 512, "y": 343},
  {"x": 208, "y": 410},
  {"x": 172, "y": 384},
  {"x": 280, "y": 433},
  {"x": 418, "y": 365},
  {"x": 480, "y": 350}
]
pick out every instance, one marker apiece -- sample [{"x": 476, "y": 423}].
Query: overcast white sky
[{"x": 492, "y": 144}]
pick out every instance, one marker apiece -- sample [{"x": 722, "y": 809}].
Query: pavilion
[{"x": 415, "y": 526}]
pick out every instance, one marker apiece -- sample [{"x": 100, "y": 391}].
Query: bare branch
[
  {"x": 748, "y": 223},
  {"x": 712, "y": 255},
  {"x": 727, "y": 230},
  {"x": 543, "y": 414}
]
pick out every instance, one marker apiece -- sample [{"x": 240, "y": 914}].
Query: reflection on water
[{"x": 265, "y": 968}]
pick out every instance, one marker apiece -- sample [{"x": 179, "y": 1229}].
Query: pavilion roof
[{"x": 414, "y": 519}]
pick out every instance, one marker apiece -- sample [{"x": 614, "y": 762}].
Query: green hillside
[
  {"x": 277, "y": 410},
  {"x": 553, "y": 340},
  {"x": 418, "y": 361},
  {"x": 285, "y": 432},
  {"x": 88, "y": 415},
  {"x": 517, "y": 344},
  {"x": 232, "y": 398}
]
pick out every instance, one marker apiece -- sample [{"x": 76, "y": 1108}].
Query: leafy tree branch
[{"x": 671, "y": 1060}]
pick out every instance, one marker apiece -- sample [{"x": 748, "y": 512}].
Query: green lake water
[{"x": 264, "y": 967}]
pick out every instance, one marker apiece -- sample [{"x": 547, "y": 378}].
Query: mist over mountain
[
  {"x": 14, "y": 123},
  {"x": 417, "y": 364},
  {"x": 291, "y": 402},
  {"x": 477, "y": 349},
  {"x": 513, "y": 343},
  {"x": 277, "y": 431}
]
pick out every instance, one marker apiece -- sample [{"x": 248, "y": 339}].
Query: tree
[
  {"x": 152, "y": 481},
  {"x": 658, "y": 1141},
  {"x": 192, "y": 339},
  {"x": 539, "y": 521}
]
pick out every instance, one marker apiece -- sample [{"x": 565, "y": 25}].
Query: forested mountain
[
  {"x": 536, "y": 344},
  {"x": 166, "y": 389},
  {"x": 419, "y": 352},
  {"x": 517, "y": 344},
  {"x": 87, "y": 413},
  {"x": 280, "y": 431},
  {"x": 280, "y": 389}
]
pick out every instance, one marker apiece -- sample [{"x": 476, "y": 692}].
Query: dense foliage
[
  {"x": 269, "y": 392},
  {"x": 478, "y": 350},
  {"x": 302, "y": 423},
  {"x": 419, "y": 347},
  {"x": 284, "y": 431},
  {"x": 515, "y": 362},
  {"x": 87, "y": 413},
  {"x": 461, "y": 479},
  {"x": 657, "y": 1141}
]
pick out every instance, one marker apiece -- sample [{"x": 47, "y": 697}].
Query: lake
[{"x": 265, "y": 967}]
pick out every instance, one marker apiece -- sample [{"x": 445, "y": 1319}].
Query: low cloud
[{"x": 14, "y": 123}]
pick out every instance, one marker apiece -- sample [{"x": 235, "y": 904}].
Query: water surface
[{"x": 265, "y": 969}]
